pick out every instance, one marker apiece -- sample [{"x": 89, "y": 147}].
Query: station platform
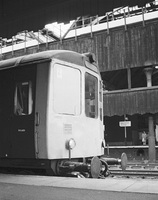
[{"x": 132, "y": 185}]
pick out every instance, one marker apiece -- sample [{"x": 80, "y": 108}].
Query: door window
[{"x": 23, "y": 102}]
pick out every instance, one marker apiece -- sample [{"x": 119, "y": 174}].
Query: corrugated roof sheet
[{"x": 135, "y": 101}]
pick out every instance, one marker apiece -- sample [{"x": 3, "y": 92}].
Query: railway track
[
  {"x": 143, "y": 170},
  {"x": 132, "y": 170}
]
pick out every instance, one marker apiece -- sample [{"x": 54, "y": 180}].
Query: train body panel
[
  {"x": 50, "y": 109},
  {"x": 65, "y": 114},
  {"x": 41, "y": 109}
]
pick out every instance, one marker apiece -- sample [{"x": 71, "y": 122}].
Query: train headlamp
[{"x": 70, "y": 144}]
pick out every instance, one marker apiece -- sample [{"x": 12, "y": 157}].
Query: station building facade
[
  {"x": 128, "y": 61},
  {"x": 131, "y": 92}
]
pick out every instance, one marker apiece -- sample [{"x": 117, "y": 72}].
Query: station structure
[{"x": 125, "y": 42}]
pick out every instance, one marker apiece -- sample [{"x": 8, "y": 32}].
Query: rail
[{"x": 135, "y": 169}]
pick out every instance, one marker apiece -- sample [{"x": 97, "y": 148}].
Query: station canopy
[{"x": 33, "y": 15}]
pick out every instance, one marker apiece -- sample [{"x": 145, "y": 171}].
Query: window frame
[
  {"x": 59, "y": 74},
  {"x": 91, "y": 99}
]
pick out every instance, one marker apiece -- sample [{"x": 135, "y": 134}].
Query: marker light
[{"x": 70, "y": 144}]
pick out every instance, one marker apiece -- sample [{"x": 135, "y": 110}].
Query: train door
[
  {"x": 24, "y": 112},
  {"x": 18, "y": 103}
]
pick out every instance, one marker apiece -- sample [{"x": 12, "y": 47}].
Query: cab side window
[
  {"x": 23, "y": 102},
  {"x": 91, "y": 96}
]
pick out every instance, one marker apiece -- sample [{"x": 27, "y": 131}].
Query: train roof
[{"x": 65, "y": 55}]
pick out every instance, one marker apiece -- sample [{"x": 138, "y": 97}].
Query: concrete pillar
[
  {"x": 151, "y": 137},
  {"x": 148, "y": 72},
  {"x": 151, "y": 140},
  {"x": 156, "y": 128}
]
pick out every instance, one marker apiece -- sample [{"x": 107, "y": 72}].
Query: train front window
[
  {"x": 23, "y": 98},
  {"x": 67, "y": 90},
  {"x": 91, "y": 96}
]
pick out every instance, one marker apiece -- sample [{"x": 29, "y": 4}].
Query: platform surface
[{"x": 146, "y": 186}]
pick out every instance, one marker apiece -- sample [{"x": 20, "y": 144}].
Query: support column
[
  {"x": 151, "y": 135},
  {"x": 151, "y": 140},
  {"x": 129, "y": 78},
  {"x": 148, "y": 72}
]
